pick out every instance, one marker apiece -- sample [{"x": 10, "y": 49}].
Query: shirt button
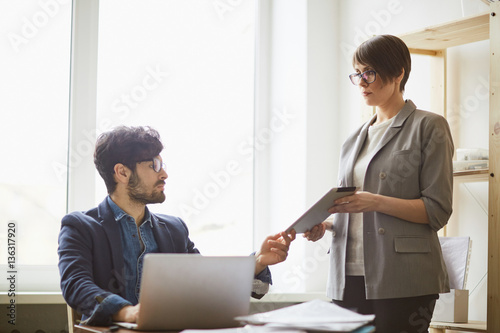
[
  {"x": 381, "y": 231},
  {"x": 383, "y": 175},
  {"x": 334, "y": 233},
  {"x": 340, "y": 182}
]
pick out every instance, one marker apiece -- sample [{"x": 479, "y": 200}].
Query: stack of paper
[{"x": 316, "y": 315}]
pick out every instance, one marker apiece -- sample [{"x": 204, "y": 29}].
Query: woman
[{"x": 385, "y": 255}]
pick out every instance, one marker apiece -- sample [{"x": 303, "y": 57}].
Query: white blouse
[{"x": 354, "y": 251}]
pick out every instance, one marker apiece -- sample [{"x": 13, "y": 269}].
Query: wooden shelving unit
[
  {"x": 434, "y": 41},
  {"x": 470, "y": 173}
]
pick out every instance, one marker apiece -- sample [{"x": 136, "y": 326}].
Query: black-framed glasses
[
  {"x": 157, "y": 164},
  {"x": 368, "y": 76}
]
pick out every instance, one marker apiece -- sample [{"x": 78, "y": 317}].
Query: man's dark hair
[
  {"x": 125, "y": 145},
  {"x": 387, "y": 55}
]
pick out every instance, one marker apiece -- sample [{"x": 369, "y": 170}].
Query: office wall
[
  {"x": 330, "y": 108},
  {"x": 468, "y": 74},
  {"x": 467, "y": 78},
  {"x": 37, "y": 318}
]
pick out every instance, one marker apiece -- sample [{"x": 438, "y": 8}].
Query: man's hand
[
  {"x": 127, "y": 314},
  {"x": 274, "y": 250}
]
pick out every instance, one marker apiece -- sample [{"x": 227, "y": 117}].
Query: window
[
  {"x": 35, "y": 71},
  {"x": 186, "y": 68}
]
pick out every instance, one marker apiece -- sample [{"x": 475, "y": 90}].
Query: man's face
[{"x": 146, "y": 185}]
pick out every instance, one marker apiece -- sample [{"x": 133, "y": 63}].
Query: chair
[{"x": 73, "y": 318}]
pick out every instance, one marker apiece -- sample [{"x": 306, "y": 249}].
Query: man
[{"x": 101, "y": 250}]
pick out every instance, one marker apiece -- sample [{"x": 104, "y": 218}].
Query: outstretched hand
[{"x": 274, "y": 250}]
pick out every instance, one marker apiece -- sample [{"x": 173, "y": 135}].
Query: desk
[{"x": 94, "y": 329}]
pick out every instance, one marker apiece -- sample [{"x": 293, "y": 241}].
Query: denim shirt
[
  {"x": 133, "y": 250},
  {"x": 133, "y": 254}
]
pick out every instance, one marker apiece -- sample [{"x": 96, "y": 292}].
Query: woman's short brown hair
[{"x": 387, "y": 55}]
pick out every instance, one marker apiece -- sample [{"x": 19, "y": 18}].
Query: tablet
[{"x": 319, "y": 211}]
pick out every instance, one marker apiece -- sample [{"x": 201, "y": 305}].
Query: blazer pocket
[{"x": 411, "y": 244}]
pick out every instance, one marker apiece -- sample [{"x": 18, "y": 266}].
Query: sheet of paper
[
  {"x": 324, "y": 327},
  {"x": 456, "y": 251},
  {"x": 248, "y": 329},
  {"x": 310, "y": 315},
  {"x": 273, "y": 328}
]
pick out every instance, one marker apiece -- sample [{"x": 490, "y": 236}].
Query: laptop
[{"x": 190, "y": 291}]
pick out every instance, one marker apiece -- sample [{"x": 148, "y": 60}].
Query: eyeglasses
[
  {"x": 368, "y": 76},
  {"x": 157, "y": 164}
]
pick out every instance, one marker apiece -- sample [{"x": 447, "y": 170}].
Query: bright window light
[
  {"x": 35, "y": 69},
  {"x": 186, "y": 68}
]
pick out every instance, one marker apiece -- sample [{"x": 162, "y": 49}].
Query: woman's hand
[
  {"x": 359, "y": 202},
  {"x": 411, "y": 210},
  {"x": 317, "y": 232}
]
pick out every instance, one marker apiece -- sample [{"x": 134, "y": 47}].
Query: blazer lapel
[
  {"x": 112, "y": 231},
  {"x": 162, "y": 235},
  {"x": 396, "y": 125}
]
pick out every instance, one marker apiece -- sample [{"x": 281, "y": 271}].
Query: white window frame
[{"x": 83, "y": 97}]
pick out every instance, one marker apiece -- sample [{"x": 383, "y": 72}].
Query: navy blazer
[{"x": 90, "y": 251}]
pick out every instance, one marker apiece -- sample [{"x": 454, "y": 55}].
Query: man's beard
[{"x": 138, "y": 194}]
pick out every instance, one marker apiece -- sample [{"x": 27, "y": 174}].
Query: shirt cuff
[
  {"x": 261, "y": 283},
  {"x": 104, "y": 311},
  {"x": 265, "y": 276},
  {"x": 259, "y": 288}
]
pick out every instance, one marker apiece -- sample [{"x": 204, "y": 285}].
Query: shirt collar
[{"x": 119, "y": 214}]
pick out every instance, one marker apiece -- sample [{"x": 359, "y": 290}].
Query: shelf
[
  {"x": 471, "y": 175},
  {"x": 434, "y": 41},
  {"x": 439, "y": 37},
  {"x": 471, "y": 326}
]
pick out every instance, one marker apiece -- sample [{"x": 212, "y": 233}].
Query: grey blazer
[{"x": 413, "y": 160}]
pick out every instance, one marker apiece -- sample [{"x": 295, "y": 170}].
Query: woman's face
[{"x": 377, "y": 93}]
